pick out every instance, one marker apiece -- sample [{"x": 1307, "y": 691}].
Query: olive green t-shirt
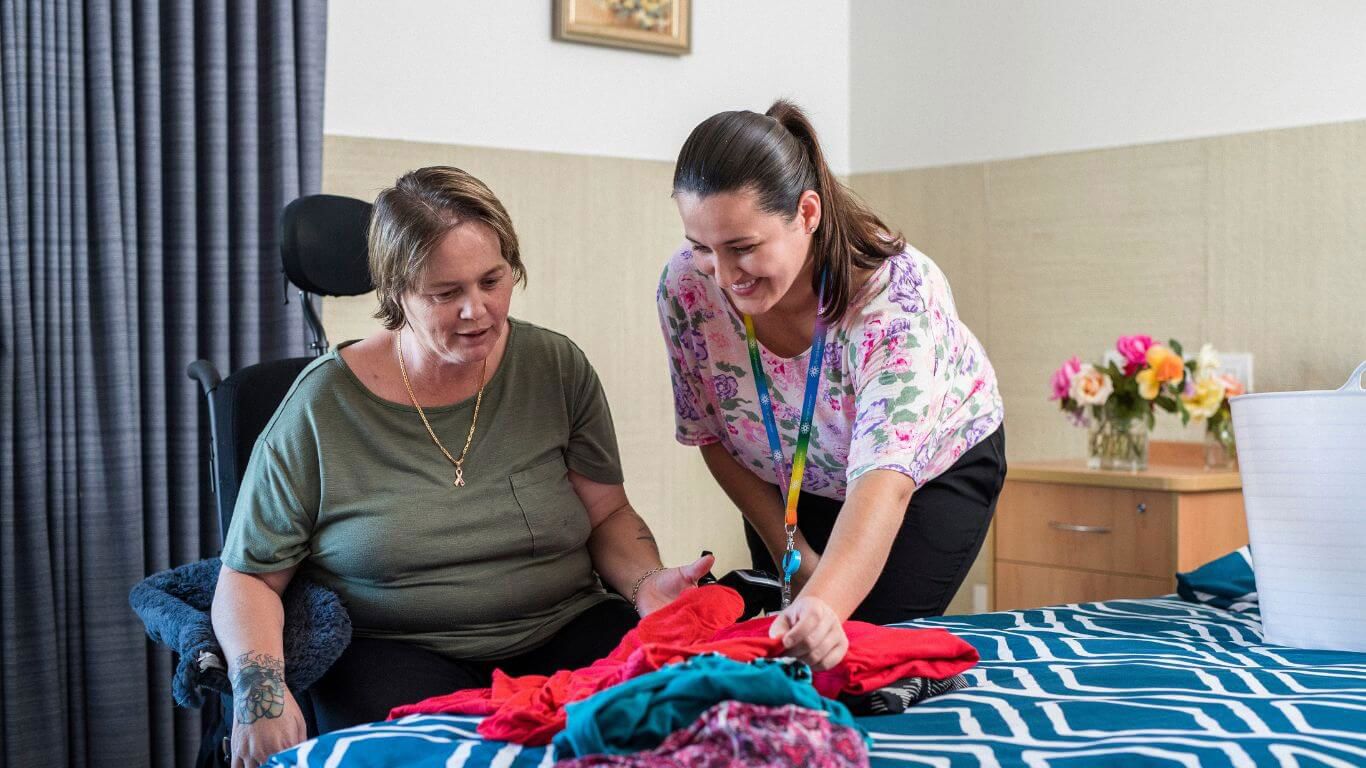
[{"x": 351, "y": 486}]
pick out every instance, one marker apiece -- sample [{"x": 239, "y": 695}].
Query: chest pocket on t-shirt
[{"x": 556, "y": 518}]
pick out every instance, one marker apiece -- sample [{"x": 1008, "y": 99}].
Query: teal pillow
[{"x": 1226, "y": 583}]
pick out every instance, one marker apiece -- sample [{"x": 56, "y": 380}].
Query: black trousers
[
  {"x": 945, "y": 525},
  {"x": 373, "y": 676}
]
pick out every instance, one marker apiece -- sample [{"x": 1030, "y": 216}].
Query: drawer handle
[{"x": 1054, "y": 524}]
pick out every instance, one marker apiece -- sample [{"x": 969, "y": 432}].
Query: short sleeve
[
  {"x": 272, "y": 521},
  {"x": 695, "y": 419},
  {"x": 592, "y": 450},
  {"x": 899, "y": 392}
]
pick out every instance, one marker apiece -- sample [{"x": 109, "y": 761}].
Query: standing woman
[{"x": 794, "y": 310}]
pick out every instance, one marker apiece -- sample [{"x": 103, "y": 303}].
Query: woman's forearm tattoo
[
  {"x": 644, "y": 533},
  {"x": 258, "y": 688}
]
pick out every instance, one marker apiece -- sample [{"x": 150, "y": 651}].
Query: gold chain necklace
[{"x": 460, "y": 462}]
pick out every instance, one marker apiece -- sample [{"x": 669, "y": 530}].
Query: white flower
[
  {"x": 1091, "y": 387},
  {"x": 1207, "y": 362},
  {"x": 1113, "y": 357}
]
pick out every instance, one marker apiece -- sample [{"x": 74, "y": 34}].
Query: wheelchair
[{"x": 323, "y": 250}]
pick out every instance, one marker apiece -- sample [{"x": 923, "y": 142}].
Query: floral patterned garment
[
  {"x": 906, "y": 385},
  {"x": 734, "y": 733}
]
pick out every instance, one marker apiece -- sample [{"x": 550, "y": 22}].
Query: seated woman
[{"x": 454, "y": 478}]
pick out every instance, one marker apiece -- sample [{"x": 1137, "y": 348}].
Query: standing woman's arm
[{"x": 873, "y": 512}]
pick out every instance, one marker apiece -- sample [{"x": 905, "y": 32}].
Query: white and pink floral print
[{"x": 907, "y": 387}]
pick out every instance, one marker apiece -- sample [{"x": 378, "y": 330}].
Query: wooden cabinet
[{"x": 1068, "y": 534}]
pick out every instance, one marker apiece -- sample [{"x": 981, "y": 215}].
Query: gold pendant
[{"x": 459, "y": 477}]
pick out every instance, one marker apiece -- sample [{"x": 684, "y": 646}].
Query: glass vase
[
  {"x": 1221, "y": 452},
  {"x": 1117, "y": 443}
]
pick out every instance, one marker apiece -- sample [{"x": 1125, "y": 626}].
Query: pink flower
[
  {"x": 753, "y": 433},
  {"x": 689, "y": 291},
  {"x": 1135, "y": 351},
  {"x": 1062, "y": 378},
  {"x": 900, "y": 365}
]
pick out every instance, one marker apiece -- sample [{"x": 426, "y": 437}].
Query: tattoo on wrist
[
  {"x": 644, "y": 534},
  {"x": 258, "y": 687}
]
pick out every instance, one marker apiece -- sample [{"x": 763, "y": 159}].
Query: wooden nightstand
[{"x": 1066, "y": 534}]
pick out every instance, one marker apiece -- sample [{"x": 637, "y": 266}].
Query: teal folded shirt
[{"x": 640, "y": 713}]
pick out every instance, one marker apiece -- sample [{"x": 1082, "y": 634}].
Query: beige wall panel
[
  {"x": 1255, "y": 242},
  {"x": 1083, "y": 248},
  {"x": 595, "y": 234},
  {"x": 1287, "y": 252}
]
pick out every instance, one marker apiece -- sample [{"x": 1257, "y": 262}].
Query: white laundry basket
[{"x": 1303, "y": 461}]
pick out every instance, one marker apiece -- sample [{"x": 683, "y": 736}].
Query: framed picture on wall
[{"x": 658, "y": 26}]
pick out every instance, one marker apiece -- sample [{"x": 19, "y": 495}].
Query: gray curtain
[{"x": 147, "y": 150}]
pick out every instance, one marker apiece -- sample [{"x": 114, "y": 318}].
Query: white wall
[
  {"x": 937, "y": 83},
  {"x": 486, "y": 73}
]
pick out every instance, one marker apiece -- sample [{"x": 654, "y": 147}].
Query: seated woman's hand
[
  {"x": 663, "y": 587},
  {"x": 811, "y": 631},
  {"x": 266, "y": 720}
]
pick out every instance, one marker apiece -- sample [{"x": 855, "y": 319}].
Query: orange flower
[{"x": 1166, "y": 364}]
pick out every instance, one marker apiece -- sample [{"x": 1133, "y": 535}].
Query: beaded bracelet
[{"x": 635, "y": 588}]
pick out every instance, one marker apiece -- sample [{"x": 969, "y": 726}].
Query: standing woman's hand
[{"x": 811, "y": 631}]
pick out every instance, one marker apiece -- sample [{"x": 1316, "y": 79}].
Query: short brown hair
[{"x": 412, "y": 216}]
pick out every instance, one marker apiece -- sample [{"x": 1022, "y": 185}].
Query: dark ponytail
[{"x": 777, "y": 155}]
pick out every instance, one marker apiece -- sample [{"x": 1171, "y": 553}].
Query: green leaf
[
  {"x": 907, "y": 396},
  {"x": 1175, "y": 345}
]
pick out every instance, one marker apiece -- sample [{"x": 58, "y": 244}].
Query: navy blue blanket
[{"x": 174, "y": 606}]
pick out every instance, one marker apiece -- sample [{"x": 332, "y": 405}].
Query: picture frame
[{"x": 653, "y": 26}]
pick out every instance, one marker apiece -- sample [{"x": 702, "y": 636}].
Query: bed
[{"x": 1155, "y": 682}]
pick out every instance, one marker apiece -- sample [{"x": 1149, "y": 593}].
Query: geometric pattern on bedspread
[{"x": 1157, "y": 682}]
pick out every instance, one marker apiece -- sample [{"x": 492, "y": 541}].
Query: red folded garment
[{"x": 530, "y": 709}]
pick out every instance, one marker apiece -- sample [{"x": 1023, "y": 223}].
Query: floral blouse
[{"x": 906, "y": 385}]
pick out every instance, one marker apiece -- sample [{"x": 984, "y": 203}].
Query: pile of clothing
[{"x": 690, "y": 686}]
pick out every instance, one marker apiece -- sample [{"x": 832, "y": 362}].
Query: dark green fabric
[
  {"x": 353, "y": 487},
  {"x": 640, "y": 713}
]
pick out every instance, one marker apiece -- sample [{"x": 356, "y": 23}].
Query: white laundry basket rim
[{"x": 1351, "y": 388}]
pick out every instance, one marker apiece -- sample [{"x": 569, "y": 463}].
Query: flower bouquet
[{"x": 1115, "y": 398}]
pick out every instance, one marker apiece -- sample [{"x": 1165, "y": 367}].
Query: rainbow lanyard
[{"x": 792, "y": 559}]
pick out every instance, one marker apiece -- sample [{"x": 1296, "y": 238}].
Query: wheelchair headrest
[{"x": 322, "y": 244}]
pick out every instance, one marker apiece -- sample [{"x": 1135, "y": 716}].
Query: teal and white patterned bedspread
[{"x": 1159, "y": 682}]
